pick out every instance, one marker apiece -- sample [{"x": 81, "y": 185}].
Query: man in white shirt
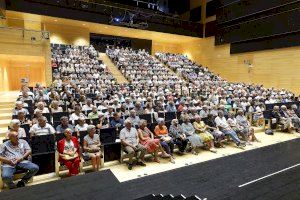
[
  {"x": 130, "y": 141},
  {"x": 222, "y": 124},
  {"x": 41, "y": 128},
  {"x": 13, "y": 153}
]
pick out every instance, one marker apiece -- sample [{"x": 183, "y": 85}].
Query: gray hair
[
  {"x": 160, "y": 120},
  {"x": 90, "y": 127},
  {"x": 13, "y": 122},
  {"x": 173, "y": 121},
  {"x": 127, "y": 121},
  {"x": 142, "y": 121}
]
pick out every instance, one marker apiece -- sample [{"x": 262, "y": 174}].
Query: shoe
[
  {"x": 172, "y": 160},
  {"x": 213, "y": 150},
  {"x": 165, "y": 155},
  {"x": 21, "y": 184},
  {"x": 141, "y": 163},
  {"x": 130, "y": 166},
  {"x": 241, "y": 144},
  {"x": 156, "y": 160}
]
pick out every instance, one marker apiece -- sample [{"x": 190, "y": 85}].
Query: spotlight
[{"x": 117, "y": 19}]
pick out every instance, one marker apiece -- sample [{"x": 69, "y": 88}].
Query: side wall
[{"x": 279, "y": 68}]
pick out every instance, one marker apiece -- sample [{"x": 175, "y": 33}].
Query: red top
[{"x": 61, "y": 146}]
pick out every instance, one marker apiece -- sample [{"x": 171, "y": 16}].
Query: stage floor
[{"x": 214, "y": 179}]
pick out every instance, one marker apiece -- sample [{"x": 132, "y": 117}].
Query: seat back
[
  {"x": 56, "y": 116},
  {"x": 147, "y": 117},
  {"x": 108, "y": 135},
  {"x": 169, "y": 116},
  {"x": 42, "y": 144}
]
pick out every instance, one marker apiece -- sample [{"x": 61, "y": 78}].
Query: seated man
[
  {"x": 12, "y": 155},
  {"x": 117, "y": 121},
  {"x": 130, "y": 141},
  {"x": 135, "y": 119},
  {"x": 41, "y": 128},
  {"x": 64, "y": 125},
  {"x": 94, "y": 114},
  {"x": 223, "y": 126}
]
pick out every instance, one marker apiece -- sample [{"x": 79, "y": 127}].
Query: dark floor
[{"x": 215, "y": 179}]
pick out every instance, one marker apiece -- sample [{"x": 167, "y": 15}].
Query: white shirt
[
  {"x": 221, "y": 122},
  {"x": 37, "y": 130},
  {"x": 130, "y": 137}
]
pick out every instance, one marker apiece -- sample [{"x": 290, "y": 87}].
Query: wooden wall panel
[
  {"x": 165, "y": 47},
  {"x": 279, "y": 68},
  {"x": 68, "y": 34}
]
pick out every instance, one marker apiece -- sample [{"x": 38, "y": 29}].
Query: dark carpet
[{"x": 215, "y": 179}]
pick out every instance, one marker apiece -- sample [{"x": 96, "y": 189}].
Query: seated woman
[
  {"x": 15, "y": 126},
  {"x": 236, "y": 127},
  {"x": 161, "y": 132},
  {"x": 91, "y": 147},
  {"x": 23, "y": 119},
  {"x": 189, "y": 131},
  {"x": 68, "y": 149},
  {"x": 218, "y": 135},
  {"x": 244, "y": 123},
  {"x": 205, "y": 136},
  {"x": 147, "y": 139},
  {"x": 258, "y": 117},
  {"x": 286, "y": 123},
  {"x": 81, "y": 126},
  {"x": 55, "y": 108},
  {"x": 178, "y": 136}
]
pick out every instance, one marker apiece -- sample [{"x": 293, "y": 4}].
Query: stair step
[
  {"x": 4, "y": 116},
  {"x": 6, "y": 110},
  {"x": 179, "y": 197},
  {"x": 4, "y": 123}
]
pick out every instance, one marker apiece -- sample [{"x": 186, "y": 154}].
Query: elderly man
[
  {"x": 13, "y": 154},
  {"x": 134, "y": 118},
  {"x": 64, "y": 124},
  {"x": 41, "y": 128},
  {"x": 130, "y": 141},
  {"x": 223, "y": 125}
]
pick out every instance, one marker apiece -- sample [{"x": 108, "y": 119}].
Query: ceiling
[{"x": 102, "y": 28}]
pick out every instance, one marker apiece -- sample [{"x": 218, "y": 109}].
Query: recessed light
[
  {"x": 105, "y": 27},
  {"x": 83, "y": 24},
  {"x": 55, "y": 20}
]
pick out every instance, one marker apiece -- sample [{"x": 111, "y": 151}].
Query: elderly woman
[
  {"x": 41, "y": 107},
  {"x": 218, "y": 135},
  {"x": 91, "y": 147},
  {"x": 205, "y": 136},
  {"x": 23, "y": 119},
  {"x": 189, "y": 131},
  {"x": 236, "y": 127},
  {"x": 37, "y": 115},
  {"x": 161, "y": 132},
  {"x": 258, "y": 116},
  {"x": 15, "y": 126},
  {"x": 19, "y": 107},
  {"x": 281, "y": 119},
  {"x": 244, "y": 123},
  {"x": 77, "y": 114},
  {"x": 68, "y": 149},
  {"x": 81, "y": 126},
  {"x": 178, "y": 136},
  {"x": 147, "y": 139},
  {"x": 55, "y": 108}
]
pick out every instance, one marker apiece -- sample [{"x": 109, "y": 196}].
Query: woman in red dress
[
  {"x": 68, "y": 149},
  {"x": 147, "y": 139}
]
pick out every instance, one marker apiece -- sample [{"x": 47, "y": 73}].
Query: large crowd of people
[{"x": 159, "y": 111}]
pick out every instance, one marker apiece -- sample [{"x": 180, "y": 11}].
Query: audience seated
[
  {"x": 130, "y": 141},
  {"x": 64, "y": 124},
  {"x": 204, "y": 134},
  {"x": 166, "y": 141},
  {"x": 15, "y": 127},
  {"x": 91, "y": 147},
  {"x": 69, "y": 155},
  {"x": 14, "y": 154},
  {"x": 179, "y": 138},
  {"x": 41, "y": 128},
  {"x": 152, "y": 145}
]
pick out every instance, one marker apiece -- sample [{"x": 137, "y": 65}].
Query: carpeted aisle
[{"x": 215, "y": 179}]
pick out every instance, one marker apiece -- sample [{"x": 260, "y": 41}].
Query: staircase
[
  {"x": 7, "y": 104},
  {"x": 113, "y": 69}
]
